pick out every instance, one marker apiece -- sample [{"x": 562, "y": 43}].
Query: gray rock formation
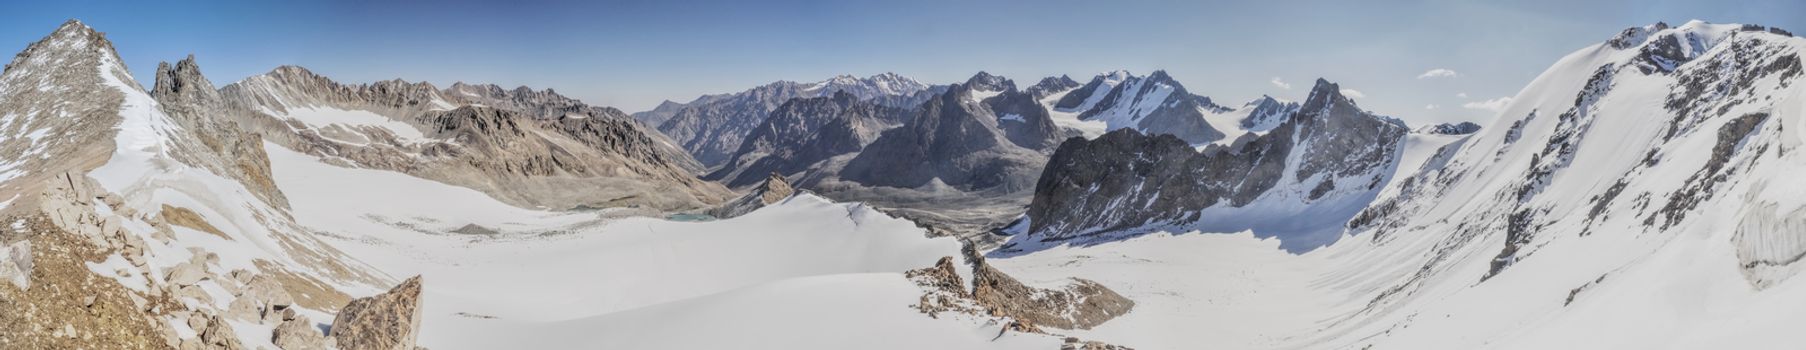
[
  {"x": 713, "y": 127},
  {"x": 296, "y": 332},
  {"x": 1126, "y": 180},
  {"x": 531, "y": 148},
  {"x": 387, "y": 321},
  {"x": 1080, "y": 304},
  {"x": 15, "y": 264},
  {"x": 191, "y": 100}
]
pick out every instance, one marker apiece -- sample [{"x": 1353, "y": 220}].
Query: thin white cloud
[
  {"x": 1353, "y": 93},
  {"x": 1494, "y": 105},
  {"x": 1429, "y": 107},
  {"x": 1439, "y": 73},
  {"x": 1461, "y": 94},
  {"x": 1281, "y": 83}
]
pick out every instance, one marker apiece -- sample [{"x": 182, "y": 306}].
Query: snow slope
[{"x": 802, "y": 273}]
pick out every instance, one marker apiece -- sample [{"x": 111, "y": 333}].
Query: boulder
[
  {"x": 1083, "y": 304},
  {"x": 297, "y": 333},
  {"x": 15, "y": 264},
  {"x": 187, "y": 274},
  {"x": 387, "y": 321}
]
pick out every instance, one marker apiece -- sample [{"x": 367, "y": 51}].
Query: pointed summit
[
  {"x": 985, "y": 81},
  {"x": 183, "y": 83},
  {"x": 1325, "y": 94},
  {"x": 71, "y": 45}
]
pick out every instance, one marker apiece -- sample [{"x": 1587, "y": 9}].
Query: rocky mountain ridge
[
  {"x": 532, "y": 148},
  {"x": 1125, "y": 182}
]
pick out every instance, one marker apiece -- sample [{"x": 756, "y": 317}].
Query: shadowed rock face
[
  {"x": 1024, "y": 121},
  {"x": 387, "y": 321},
  {"x": 1125, "y": 179},
  {"x": 952, "y": 138},
  {"x": 774, "y": 189}
]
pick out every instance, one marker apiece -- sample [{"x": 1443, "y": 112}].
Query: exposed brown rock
[
  {"x": 183, "y": 217},
  {"x": 387, "y": 321},
  {"x": 1080, "y": 305}
]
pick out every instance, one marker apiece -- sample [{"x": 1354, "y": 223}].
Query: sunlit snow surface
[{"x": 805, "y": 273}]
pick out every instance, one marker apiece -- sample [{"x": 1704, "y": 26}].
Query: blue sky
[{"x": 633, "y": 54}]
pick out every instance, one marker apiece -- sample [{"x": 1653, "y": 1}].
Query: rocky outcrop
[
  {"x": 1126, "y": 180},
  {"x": 1081, "y": 304},
  {"x": 296, "y": 332},
  {"x": 774, "y": 189},
  {"x": 387, "y": 321},
  {"x": 191, "y": 100}
]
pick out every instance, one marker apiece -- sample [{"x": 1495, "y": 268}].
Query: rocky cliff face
[
  {"x": 775, "y": 188},
  {"x": 1125, "y": 180},
  {"x": 1024, "y": 121},
  {"x": 190, "y": 99},
  {"x": 528, "y": 147}
]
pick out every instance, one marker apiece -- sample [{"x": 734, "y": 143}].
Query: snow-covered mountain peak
[
  {"x": 987, "y": 82},
  {"x": 1115, "y": 75},
  {"x": 1326, "y": 94}
]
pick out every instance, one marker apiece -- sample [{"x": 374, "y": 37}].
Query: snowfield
[{"x": 804, "y": 273}]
